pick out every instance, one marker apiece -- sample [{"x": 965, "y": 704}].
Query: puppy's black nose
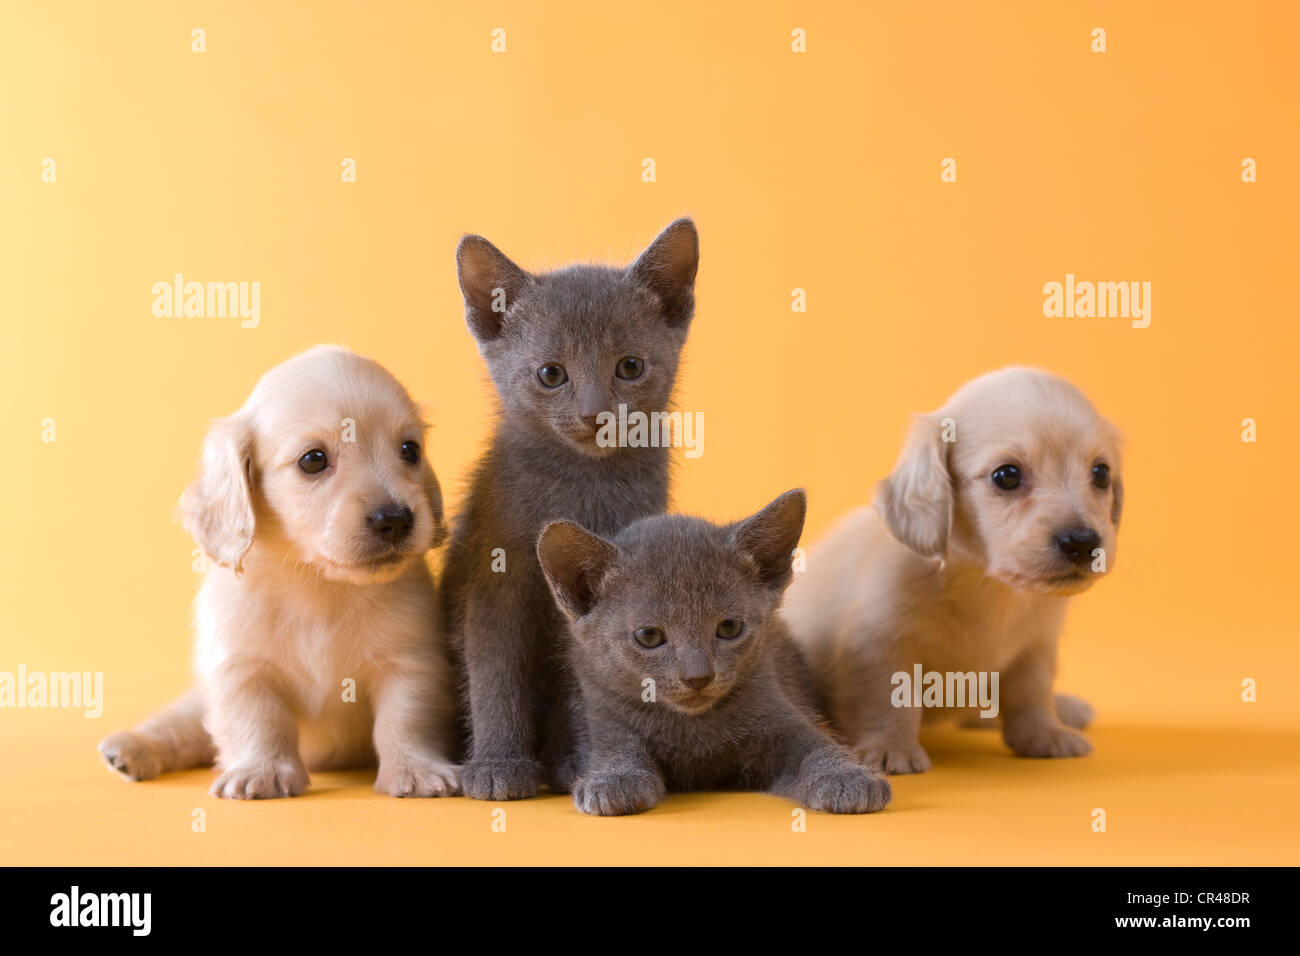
[
  {"x": 1078, "y": 544},
  {"x": 391, "y": 523}
]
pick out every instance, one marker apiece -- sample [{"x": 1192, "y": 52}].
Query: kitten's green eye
[
  {"x": 552, "y": 375},
  {"x": 314, "y": 462},
  {"x": 1006, "y": 477},
  {"x": 649, "y": 636},
  {"x": 730, "y": 629},
  {"x": 629, "y": 367},
  {"x": 410, "y": 452},
  {"x": 1101, "y": 476}
]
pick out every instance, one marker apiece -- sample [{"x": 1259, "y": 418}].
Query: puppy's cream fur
[
  {"x": 949, "y": 571},
  {"x": 303, "y": 596}
]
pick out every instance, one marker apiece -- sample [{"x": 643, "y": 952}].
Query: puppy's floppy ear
[
  {"x": 490, "y": 283},
  {"x": 916, "y": 499},
  {"x": 217, "y": 509},
  {"x": 771, "y": 535},
  {"x": 667, "y": 268},
  {"x": 574, "y": 561},
  {"x": 433, "y": 491}
]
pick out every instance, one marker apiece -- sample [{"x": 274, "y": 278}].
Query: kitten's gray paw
[
  {"x": 1073, "y": 711},
  {"x": 611, "y": 794},
  {"x": 509, "y": 778},
  {"x": 847, "y": 788},
  {"x": 1044, "y": 739},
  {"x": 130, "y": 755}
]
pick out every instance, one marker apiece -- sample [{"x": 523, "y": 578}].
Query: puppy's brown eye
[
  {"x": 629, "y": 367},
  {"x": 552, "y": 375},
  {"x": 649, "y": 636},
  {"x": 314, "y": 461},
  {"x": 730, "y": 629},
  {"x": 410, "y": 453},
  {"x": 1101, "y": 476},
  {"x": 1006, "y": 477}
]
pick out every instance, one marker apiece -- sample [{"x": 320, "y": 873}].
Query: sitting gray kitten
[
  {"x": 561, "y": 347},
  {"x": 689, "y": 679}
]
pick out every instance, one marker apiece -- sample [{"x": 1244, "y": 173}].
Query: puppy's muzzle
[
  {"x": 1077, "y": 544},
  {"x": 391, "y": 523}
]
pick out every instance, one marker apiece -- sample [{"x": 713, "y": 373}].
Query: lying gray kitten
[{"x": 689, "y": 679}]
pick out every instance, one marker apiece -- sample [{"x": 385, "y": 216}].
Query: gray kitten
[
  {"x": 688, "y": 677},
  {"x": 561, "y": 347}
]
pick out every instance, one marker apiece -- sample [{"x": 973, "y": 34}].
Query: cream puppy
[
  {"x": 1004, "y": 503},
  {"x": 318, "y": 643}
]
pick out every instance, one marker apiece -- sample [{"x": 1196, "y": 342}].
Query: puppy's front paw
[
  {"x": 1044, "y": 739},
  {"x": 278, "y": 777},
  {"x": 130, "y": 755},
  {"x": 1073, "y": 711},
  {"x": 418, "y": 777},
  {"x": 501, "y": 778},
  {"x": 892, "y": 756},
  {"x": 846, "y": 788},
  {"x": 612, "y": 794}
]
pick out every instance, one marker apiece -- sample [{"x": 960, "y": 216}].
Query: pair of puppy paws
[{"x": 407, "y": 776}]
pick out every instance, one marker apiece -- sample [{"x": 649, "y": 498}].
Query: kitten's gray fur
[
  {"x": 543, "y": 464},
  {"x": 734, "y": 713}
]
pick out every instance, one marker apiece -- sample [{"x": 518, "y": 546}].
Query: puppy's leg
[
  {"x": 884, "y": 737},
  {"x": 256, "y": 735},
  {"x": 172, "y": 739},
  {"x": 500, "y": 658},
  {"x": 1029, "y": 723},
  {"x": 1073, "y": 711},
  {"x": 413, "y": 732}
]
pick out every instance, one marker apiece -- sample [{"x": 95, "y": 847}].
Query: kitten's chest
[{"x": 602, "y": 496}]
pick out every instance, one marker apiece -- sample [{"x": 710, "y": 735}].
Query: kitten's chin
[
  {"x": 694, "y": 704},
  {"x": 584, "y": 443}
]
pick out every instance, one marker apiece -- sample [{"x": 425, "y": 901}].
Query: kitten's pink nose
[
  {"x": 592, "y": 400},
  {"x": 696, "y": 669}
]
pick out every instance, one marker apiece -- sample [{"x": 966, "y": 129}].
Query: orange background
[{"x": 819, "y": 171}]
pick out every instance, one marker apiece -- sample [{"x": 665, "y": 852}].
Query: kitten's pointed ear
[
  {"x": 916, "y": 500},
  {"x": 771, "y": 536},
  {"x": 667, "y": 268},
  {"x": 490, "y": 283},
  {"x": 574, "y": 561}
]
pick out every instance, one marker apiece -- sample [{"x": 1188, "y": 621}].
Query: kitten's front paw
[
  {"x": 130, "y": 755},
  {"x": 418, "y": 777},
  {"x": 278, "y": 777},
  {"x": 611, "y": 794},
  {"x": 847, "y": 788},
  {"x": 510, "y": 778},
  {"x": 892, "y": 756},
  {"x": 1044, "y": 739}
]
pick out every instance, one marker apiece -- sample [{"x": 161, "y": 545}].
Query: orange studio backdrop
[{"x": 883, "y": 192}]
